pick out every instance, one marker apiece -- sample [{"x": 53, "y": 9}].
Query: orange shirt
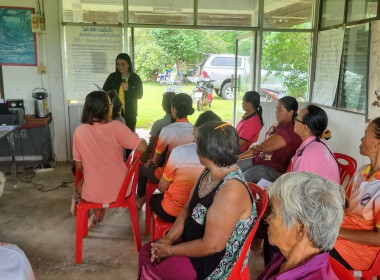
[
  {"x": 362, "y": 213},
  {"x": 183, "y": 169}
]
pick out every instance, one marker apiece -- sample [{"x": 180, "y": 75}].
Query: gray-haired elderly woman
[{"x": 307, "y": 211}]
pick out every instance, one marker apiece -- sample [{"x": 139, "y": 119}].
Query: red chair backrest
[
  {"x": 340, "y": 271},
  {"x": 261, "y": 200},
  {"x": 130, "y": 178},
  {"x": 347, "y": 168}
]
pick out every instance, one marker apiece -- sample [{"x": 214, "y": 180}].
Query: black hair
[
  {"x": 219, "y": 142},
  {"x": 127, "y": 58},
  {"x": 183, "y": 103},
  {"x": 377, "y": 127},
  {"x": 96, "y": 108},
  {"x": 116, "y": 103},
  {"x": 253, "y": 97},
  {"x": 316, "y": 119},
  {"x": 167, "y": 101},
  {"x": 290, "y": 103},
  {"x": 208, "y": 116}
]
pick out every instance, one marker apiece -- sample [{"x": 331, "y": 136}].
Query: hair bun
[{"x": 326, "y": 134}]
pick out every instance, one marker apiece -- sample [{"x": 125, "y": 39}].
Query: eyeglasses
[{"x": 297, "y": 120}]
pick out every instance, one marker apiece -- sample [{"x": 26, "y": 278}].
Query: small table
[{"x": 7, "y": 130}]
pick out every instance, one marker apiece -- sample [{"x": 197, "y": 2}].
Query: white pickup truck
[{"x": 220, "y": 68}]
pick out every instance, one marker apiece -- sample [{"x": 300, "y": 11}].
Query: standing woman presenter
[{"x": 129, "y": 86}]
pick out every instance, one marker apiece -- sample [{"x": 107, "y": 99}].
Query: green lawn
[{"x": 150, "y": 108}]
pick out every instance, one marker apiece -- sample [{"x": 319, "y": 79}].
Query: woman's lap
[
  {"x": 253, "y": 173},
  {"x": 171, "y": 268}
]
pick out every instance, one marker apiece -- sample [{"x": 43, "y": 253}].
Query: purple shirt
[
  {"x": 317, "y": 268},
  {"x": 316, "y": 157}
]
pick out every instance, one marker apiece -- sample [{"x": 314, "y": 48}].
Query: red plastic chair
[
  {"x": 124, "y": 200},
  {"x": 261, "y": 200},
  {"x": 374, "y": 271},
  {"x": 150, "y": 188},
  {"x": 347, "y": 168},
  {"x": 340, "y": 271},
  {"x": 159, "y": 227}
]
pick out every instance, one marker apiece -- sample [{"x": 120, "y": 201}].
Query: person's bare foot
[
  {"x": 139, "y": 201},
  {"x": 99, "y": 214},
  {"x": 91, "y": 222}
]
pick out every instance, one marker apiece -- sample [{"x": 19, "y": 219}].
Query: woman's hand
[
  {"x": 148, "y": 163},
  {"x": 160, "y": 250},
  {"x": 125, "y": 86}
]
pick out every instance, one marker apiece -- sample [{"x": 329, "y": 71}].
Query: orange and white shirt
[
  {"x": 362, "y": 213},
  {"x": 178, "y": 133},
  {"x": 183, "y": 170}
]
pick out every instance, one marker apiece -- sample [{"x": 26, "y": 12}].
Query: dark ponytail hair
[
  {"x": 290, "y": 103},
  {"x": 253, "y": 97},
  {"x": 183, "y": 103},
  {"x": 316, "y": 119}
]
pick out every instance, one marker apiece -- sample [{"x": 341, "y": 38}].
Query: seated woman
[
  {"x": 304, "y": 223},
  {"x": 98, "y": 152},
  {"x": 314, "y": 155},
  {"x": 252, "y": 122},
  {"x": 214, "y": 223},
  {"x": 178, "y": 133},
  {"x": 180, "y": 174},
  {"x": 159, "y": 124},
  {"x": 359, "y": 237},
  {"x": 272, "y": 156}
]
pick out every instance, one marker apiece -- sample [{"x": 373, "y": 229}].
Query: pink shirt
[
  {"x": 313, "y": 156},
  {"x": 100, "y": 148},
  {"x": 249, "y": 129}
]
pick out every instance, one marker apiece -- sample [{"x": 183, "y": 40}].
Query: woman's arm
[
  {"x": 242, "y": 142},
  {"x": 247, "y": 154},
  {"x": 141, "y": 147},
  {"x": 164, "y": 184},
  {"x": 135, "y": 87},
  {"x": 271, "y": 144},
  {"x": 365, "y": 237},
  {"x": 231, "y": 203}
]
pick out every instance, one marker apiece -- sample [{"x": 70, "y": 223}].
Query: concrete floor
[{"x": 41, "y": 224}]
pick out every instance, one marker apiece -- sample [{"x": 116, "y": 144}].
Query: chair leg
[
  {"x": 135, "y": 222},
  {"x": 81, "y": 224},
  {"x": 150, "y": 188},
  {"x": 245, "y": 273}
]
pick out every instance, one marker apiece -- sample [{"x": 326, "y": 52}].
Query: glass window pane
[
  {"x": 99, "y": 11},
  {"x": 361, "y": 9},
  {"x": 228, "y": 13},
  {"x": 285, "y": 65},
  {"x": 353, "y": 76},
  {"x": 288, "y": 14},
  {"x": 332, "y": 12},
  {"x": 165, "y": 12}
]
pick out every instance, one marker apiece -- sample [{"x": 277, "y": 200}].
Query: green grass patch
[{"x": 150, "y": 108}]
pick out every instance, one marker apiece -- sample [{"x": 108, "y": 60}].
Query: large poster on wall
[
  {"x": 329, "y": 53},
  {"x": 374, "y": 73},
  {"x": 17, "y": 42},
  {"x": 90, "y": 58}
]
